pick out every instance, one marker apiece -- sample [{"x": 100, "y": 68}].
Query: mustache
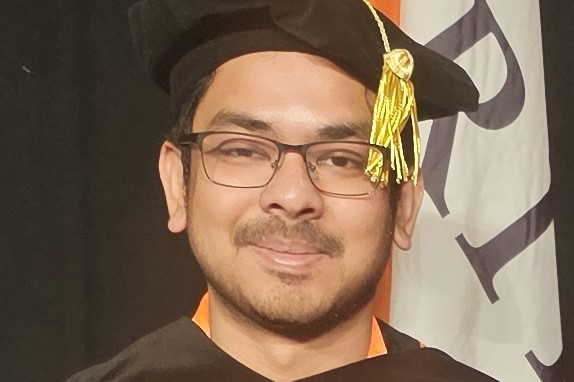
[{"x": 254, "y": 231}]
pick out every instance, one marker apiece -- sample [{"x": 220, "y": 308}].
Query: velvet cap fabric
[{"x": 180, "y": 41}]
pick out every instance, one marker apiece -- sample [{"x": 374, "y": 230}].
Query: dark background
[{"x": 87, "y": 265}]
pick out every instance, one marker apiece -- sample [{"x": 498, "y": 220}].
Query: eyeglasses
[{"x": 242, "y": 160}]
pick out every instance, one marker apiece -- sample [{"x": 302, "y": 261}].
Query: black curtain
[
  {"x": 87, "y": 265},
  {"x": 558, "y": 44}
]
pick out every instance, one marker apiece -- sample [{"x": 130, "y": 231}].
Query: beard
[{"x": 285, "y": 308}]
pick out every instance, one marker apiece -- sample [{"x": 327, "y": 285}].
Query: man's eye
[
  {"x": 342, "y": 161},
  {"x": 237, "y": 152},
  {"x": 240, "y": 150}
]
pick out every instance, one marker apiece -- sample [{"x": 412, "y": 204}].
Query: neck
[{"x": 283, "y": 359}]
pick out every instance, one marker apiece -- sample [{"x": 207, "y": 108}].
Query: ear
[
  {"x": 171, "y": 174},
  {"x": 408, "y": 206}
]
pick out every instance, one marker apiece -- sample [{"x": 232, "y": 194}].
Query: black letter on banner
[
  {"x": 495, "y": 114},
  {"x": 546, "y": 373},
  {"x": 494, "y": 255}
]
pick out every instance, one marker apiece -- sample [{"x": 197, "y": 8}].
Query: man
[{"x": 290, "y": 209}]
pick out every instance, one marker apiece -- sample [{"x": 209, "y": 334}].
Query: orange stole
[{"x": 377, "y": 346}]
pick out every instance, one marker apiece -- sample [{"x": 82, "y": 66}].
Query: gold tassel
[{"x": 394, "y": 105}]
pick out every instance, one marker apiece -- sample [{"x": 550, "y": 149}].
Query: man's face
[{"x": 286, "y": 256}]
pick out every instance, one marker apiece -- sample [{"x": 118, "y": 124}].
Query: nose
[{"x": 290, "y": 194}]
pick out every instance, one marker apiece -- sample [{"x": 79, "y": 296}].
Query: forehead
[{"x": 295, "y": 93}]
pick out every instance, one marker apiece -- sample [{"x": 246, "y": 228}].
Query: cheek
[
  {"x": 213, "y": 212},
  {"x": 366, "y": 226}
]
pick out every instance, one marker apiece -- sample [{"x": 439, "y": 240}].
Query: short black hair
[{"x": 184, "y": 121}]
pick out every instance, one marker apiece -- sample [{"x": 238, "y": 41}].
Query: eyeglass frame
[{"x": 197, "y": 138}]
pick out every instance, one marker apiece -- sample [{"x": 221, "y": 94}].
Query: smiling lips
[{"x": 286, "y": 253}]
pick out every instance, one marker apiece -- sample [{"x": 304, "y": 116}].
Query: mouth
[{"x": 288, "y": 254}]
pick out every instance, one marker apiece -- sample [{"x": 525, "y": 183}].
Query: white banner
[{"x": 481, "y": 282}]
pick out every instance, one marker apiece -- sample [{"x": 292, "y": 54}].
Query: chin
[
  {"x": 300, "y": 317},
  {"x": 296, "y": 308}
]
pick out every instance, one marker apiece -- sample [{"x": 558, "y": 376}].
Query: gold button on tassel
[{"x": 394, "y": 105}]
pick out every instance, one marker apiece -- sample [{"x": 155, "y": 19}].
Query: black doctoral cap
[{"x": 180, "y": 41}]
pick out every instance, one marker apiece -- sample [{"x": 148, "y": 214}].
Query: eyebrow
[
  {"x": 243, "y": 120},
  {"x": 251, "y": 123},
  {"x": 345, "y": 130}
]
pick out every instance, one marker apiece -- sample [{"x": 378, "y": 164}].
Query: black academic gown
[{"x": 181, "y": 352}]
